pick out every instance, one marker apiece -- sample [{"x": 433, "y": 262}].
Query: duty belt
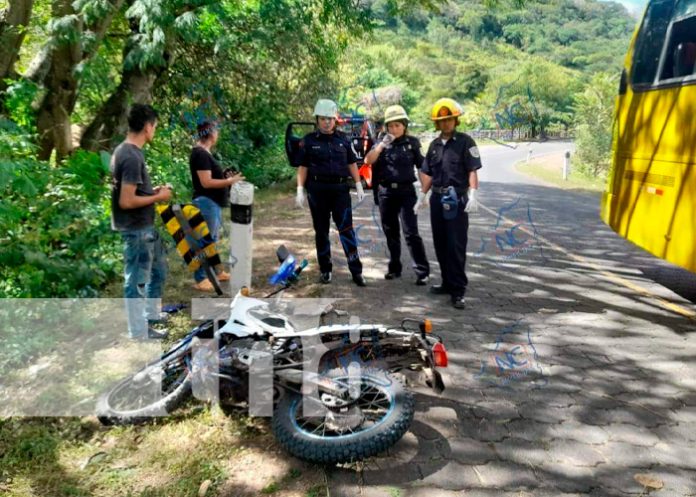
[
  {"x": 443, "y": 190},
  {"x": 329, "y": 179},
  {"x": 397, "y": 185}
]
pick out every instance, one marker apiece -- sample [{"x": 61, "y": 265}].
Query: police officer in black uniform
[
  {"x": 450, "y": 169},
  {"x": 394, "y": 161},
  {"x": 327, "y": 167}
]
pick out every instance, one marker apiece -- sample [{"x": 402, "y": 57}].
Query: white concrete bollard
[
  {"x": 566, "y": 165},
  {"x": 241, "y": 235}
]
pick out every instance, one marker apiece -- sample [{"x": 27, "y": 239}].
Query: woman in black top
[
  {"x": 210, "y": 191},
  {"x": 394, "y": 162}
]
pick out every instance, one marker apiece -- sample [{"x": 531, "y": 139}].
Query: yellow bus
[{"x": 650, "y": 197}]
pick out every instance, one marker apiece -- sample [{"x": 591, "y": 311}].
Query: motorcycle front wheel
[
  {"x": 378, "y": 414},
  {"x": 156, "y": 390}
]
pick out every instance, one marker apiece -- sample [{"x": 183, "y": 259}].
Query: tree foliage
[
  {"x": 512, "y": 68},
  {"x": 593, "y": 109},
  {"x": 75, "y": 66}
]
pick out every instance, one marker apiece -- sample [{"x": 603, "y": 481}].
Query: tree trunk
[
  {"x": 61, "y": 83},
  {"x": 110, "y": 125},
  {"x": 53, "y": 118},
  {"x": 13, "y": 20},
  {"x": 40, "y": 65}
]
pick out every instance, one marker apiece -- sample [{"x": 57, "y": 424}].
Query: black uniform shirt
[
  {"x": 326, "y": 155},
  {"x": 395, "y": 164},
  {"x": 450, "y": 164}
]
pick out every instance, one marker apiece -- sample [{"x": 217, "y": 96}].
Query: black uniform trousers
[
  {"x": 450, "y": 238},
  {"x": 327, "y": 201},
  {"x": 396, "y": 204}
]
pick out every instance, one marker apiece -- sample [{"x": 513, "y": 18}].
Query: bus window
[
  {"x": 650, "y": 42},
  {"x": 680, "y": 55}
]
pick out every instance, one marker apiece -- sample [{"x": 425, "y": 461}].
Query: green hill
[{"x": 511, "y": 68}]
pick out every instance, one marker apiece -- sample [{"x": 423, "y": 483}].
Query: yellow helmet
[
  {"x": 394, "y": 113},
  {"x": 445, "y": 108}
]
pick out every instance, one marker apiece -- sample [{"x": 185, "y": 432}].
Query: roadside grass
[
  {"x": 549, "y": 169},
  {"x": 197, "y": 448}
]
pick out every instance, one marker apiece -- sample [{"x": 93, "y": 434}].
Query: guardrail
[{"x": 502, "y": 135}]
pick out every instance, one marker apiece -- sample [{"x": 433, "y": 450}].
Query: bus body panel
[{"x": 651, "y": 188}]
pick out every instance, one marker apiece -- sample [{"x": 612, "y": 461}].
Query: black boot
[
  {"x": 458, "y": 301},
  {"x": 359, "y": 280},
  {"x": 439, "y": 289}
]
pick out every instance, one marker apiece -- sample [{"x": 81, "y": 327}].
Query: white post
[
  {"x": 241, "y": 235},
  {"x": 566, "y": 165}
]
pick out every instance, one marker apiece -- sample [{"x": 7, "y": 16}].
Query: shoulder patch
[{"x": 474, "y": 151}]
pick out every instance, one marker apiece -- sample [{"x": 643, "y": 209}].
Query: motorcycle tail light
[{"x": 440, "y": 355}]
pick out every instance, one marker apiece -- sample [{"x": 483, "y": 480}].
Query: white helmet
[{"x": 325, "y": 108}]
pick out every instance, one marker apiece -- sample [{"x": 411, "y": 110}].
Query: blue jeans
[
  {"x": 145, "y": 268},
  {"x": 212, "y": 213}
]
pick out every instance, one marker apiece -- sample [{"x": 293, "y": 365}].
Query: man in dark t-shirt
[
  {"x": 133, "y": 215},
  {"x": 129, "y": 167}
]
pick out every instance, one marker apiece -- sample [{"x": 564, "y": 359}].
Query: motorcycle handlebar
[{"x": 299, "y": 268}]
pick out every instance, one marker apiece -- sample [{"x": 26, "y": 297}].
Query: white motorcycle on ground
[{"x": 336, "y": 391}]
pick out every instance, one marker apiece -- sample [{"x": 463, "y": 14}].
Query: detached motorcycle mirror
[{"x": 289, "y": 271}]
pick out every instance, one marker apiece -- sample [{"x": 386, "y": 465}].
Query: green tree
[{"x": 594, "y": 108}]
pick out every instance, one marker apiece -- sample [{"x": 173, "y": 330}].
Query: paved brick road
[{"x": 564, "y": 378}]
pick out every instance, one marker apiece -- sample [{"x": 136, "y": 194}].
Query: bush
[{"x": 55, "y": 236}]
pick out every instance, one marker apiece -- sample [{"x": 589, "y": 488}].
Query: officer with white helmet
[
  {"x": 394, "y": 162},
  {"x": 328, "y": 168},
  {"x": 449, "y": 169}
]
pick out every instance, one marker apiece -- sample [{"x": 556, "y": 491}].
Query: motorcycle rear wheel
[{"x": 375, "y": 420}]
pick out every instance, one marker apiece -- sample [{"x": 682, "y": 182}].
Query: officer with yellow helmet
[
  {"x": 449, "y": 169},
  {"x": 328, "y": 164},
  {"x": 394, "y": 162}
]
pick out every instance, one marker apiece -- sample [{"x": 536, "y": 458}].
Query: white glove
[
  {"x": 419, "y": 202},
  {"x": 387, "y": 140},
  {"x": 472, "y": 203},
  {"x": 361, "y": 192},
  {"x": 300, "y": 198}
]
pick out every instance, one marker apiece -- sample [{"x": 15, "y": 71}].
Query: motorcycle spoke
[
  {"x": 132, "y": 396},
  {"x": 373, "y": 402}
]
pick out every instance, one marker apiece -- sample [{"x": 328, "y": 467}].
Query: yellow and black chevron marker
[{"x": 186, "y": 223}]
